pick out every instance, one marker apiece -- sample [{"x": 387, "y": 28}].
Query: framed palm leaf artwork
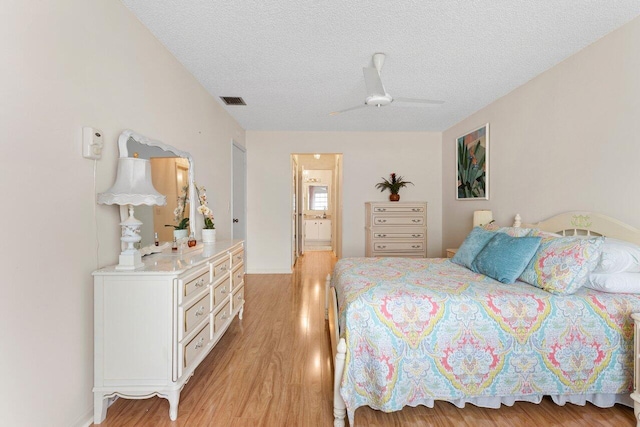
[{"x": 472, "y": 156}]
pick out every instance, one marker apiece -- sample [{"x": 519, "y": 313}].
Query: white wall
[
  {"x": 68, "y": 64},
  {"x": 367, "y": 156},
  {"x": 566, "y": 140}
]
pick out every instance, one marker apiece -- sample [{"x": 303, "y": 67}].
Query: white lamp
[
  {"x": 481, "y": 218},
  {"x": 133, "y": 187}
]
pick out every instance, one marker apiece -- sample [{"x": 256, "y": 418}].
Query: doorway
[{"x": 316, "y": 221}]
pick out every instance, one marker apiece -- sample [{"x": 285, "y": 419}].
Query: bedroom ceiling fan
[{"x": 377, "y": 96}]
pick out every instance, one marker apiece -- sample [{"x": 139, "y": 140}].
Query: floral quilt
[{"x": 419, "y": 330}]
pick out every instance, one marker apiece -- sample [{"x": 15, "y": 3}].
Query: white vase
[
  {"x": 208, "y": 236},
  {"x": 180, "y": 234}
]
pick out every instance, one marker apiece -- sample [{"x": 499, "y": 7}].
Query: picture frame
[{"x": 472, "y": 164}]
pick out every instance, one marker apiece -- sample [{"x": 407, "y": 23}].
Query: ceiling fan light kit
[{"x": 377, "y": 96}]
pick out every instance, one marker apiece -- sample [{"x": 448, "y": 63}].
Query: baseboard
[
  {"x": 86, "y": 420},
  {"x": 267, "y": 271}
]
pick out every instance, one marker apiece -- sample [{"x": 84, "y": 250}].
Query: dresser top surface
[{"x": 169, "y": 261}]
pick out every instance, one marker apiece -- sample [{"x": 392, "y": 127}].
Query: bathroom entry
[{"x": 317, "y": 203}]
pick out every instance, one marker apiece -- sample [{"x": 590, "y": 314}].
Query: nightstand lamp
[
  {"x": 133, "y": 187},
  {"x": 481, "y": 218}
]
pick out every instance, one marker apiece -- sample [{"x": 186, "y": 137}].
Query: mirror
[
  {"x": 172, "y": 175},
  {"x": 318, "y": 198}
]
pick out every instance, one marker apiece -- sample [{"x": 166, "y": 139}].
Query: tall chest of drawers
[
  {"x": 396, "y": 229},
  {"x": 153, "y": 326}
]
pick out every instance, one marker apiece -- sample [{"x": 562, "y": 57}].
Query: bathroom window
[{"x": 318, "y": 197}]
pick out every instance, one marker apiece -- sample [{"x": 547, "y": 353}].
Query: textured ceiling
[{"x": 294, "y": 62}]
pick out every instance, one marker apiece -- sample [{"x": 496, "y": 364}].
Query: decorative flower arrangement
[
  {"x": 394, "y": 184},
  {"x": 204, "y": 209},
  {"x": 178, "y": 213}
]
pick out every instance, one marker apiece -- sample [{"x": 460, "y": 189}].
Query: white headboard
[{"x": 585, "y": 223}]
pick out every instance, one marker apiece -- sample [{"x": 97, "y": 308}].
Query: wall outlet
[{"x": 92, "y": 143}]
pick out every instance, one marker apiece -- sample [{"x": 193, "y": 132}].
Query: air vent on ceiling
[{"x": 233, "y": 100}]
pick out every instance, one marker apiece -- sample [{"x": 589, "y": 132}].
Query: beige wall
[
  {"x": 367, "y": 156},
  {"x": 566, "y": 140},
  {"x": 68, "y": 64}
]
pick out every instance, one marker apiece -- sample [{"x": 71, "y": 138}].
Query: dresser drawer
[
  {"x": 221, "y": 266},
  {"x": 381, "y": 247},
  {"x": 194, "y": 315},
  {"x": 194, "y": 283},
  {"x": 238, "y": 298},
  {"x": 404, "y": 236},
  {"x": 398, "y": 220},
  {"x": 237, "y": 257},
  {"x": 221, "y": 291},
  {"x": 221, "y": 318},
  {"x": 196, "y": 346},
  {"x": 238, "y": 276},
  {"x": 399, "y": 209}
]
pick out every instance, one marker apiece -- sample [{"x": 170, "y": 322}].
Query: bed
[{"x": 408, "y": 332}]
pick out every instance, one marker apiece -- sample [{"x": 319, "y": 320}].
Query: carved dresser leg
[
  {"x": 100, "y": 404},
  {"x": 173, "y": 398}
]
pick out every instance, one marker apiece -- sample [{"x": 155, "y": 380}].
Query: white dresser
[
  {"x": 153, "y": 326},
  {"x": 396, "y": 229}
]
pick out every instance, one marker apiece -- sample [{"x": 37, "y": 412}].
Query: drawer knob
[
  {"x": 200, "y": 311},
  {"x": 223, "y": 290},
  {"x": 382, "y": 220},
  {"x": 224, "y": 316},
  {"x": 381, "y": 246},
  {"x": 415, "y": 220},
  {"x": 415, "y": 246},
  {"x": 223, "y": 268},
  {"x": 239, "y": 297},
  {"x": 415, "y": 235},
  {"x": 200, "y": 283},
  {"x": 200, "y": 343}
]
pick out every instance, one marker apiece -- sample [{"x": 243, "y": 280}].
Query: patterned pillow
[
  {"x": 511, "y": 231},
  {"x": 515, "y": 231},
  {"x": 471, "y": 247},
  {"x": 562, "y": 265}
]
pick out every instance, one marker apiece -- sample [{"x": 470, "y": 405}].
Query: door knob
[{"x": 235, "y": 219}]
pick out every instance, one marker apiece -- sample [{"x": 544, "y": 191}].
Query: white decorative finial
[{"x": 517, "y": 221}]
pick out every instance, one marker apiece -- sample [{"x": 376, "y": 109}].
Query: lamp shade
[
  {"x": 133, "y": 185},
  {"x": 482, "y": 218}
]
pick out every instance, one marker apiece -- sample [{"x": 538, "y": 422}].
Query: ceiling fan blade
[
  {"x": 335, "y": 113},
  {"x": 373, "y": 82},
  {"x": 418, "y": 101}
]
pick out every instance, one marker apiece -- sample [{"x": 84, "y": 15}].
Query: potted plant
[
  {"x": 182, "y": 228},
  {"x": 393, "y": 184},
  {"x": 209, "y": 230}
]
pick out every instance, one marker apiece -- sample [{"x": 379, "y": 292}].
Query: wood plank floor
[{"x": 273, "y": 368}]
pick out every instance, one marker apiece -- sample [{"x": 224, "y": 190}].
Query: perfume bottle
[
  {"x": 192, "y": 240},
  {"x": 157, "y": 242},
  {"x": 174, "y": 246}
]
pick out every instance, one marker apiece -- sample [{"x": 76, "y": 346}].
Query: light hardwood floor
[{"x": 273, "y": 368}]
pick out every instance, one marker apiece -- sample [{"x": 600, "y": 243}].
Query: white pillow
[
  {"x": 620, "y": 283},
  {"x": 618, "y": 256}
]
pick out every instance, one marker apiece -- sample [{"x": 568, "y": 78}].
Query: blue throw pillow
[
  {"x": 472, "y": 245},
  {"x": 504, "y": 258}
]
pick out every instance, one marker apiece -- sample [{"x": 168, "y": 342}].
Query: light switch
[{"x": 92, "y": 143}]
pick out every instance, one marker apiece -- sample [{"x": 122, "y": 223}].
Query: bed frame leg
[
  {"x": 327, "y": 285},
  {"x": 339, "y": 408}
]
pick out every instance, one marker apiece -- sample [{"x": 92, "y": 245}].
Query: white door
[
  {"x": 239, "y": 212},
  {"x": 294, "y": 211}
]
